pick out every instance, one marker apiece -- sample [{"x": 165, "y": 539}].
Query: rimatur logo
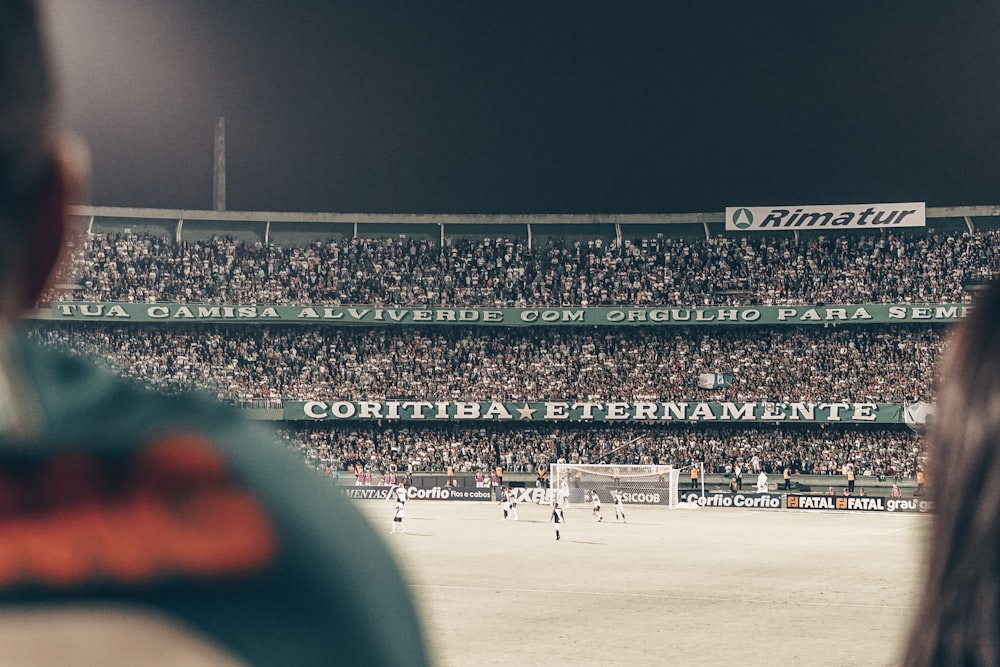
[
  {"x": 850, "y": 216},
  {"x": 742, "y": 218}
]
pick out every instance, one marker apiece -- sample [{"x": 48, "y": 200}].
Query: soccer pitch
[{"x": 680, "y": 587}]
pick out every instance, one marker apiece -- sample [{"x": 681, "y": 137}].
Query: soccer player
[
  {"x": 504, "y": 502},
  {"x": 558, "y": 517},
  {"x": 619, "y": 506},
  {"x": 564, "y": 493},
  {"x": 595, "y": 503},
  {"x": 512, "y": 502},
  {"x": 398, "y": 517},
  {"x": 398, "y": 494},
  {"x": 762, "y": 482}
]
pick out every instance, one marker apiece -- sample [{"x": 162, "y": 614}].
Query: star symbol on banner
[{"x": 526, "y": 412}]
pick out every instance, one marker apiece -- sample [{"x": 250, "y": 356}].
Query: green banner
[
  {"x": 571, "y": 411},
  {"x": 507, "y": 317}
]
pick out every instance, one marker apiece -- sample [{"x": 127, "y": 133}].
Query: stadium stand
[
  {"x": 301, "y": 362},
  {"x": 877, "y": 452},
  {"x": 264, "y": 365},
  {"x": 898, "y": 267}
]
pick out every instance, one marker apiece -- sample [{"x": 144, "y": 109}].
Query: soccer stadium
[{"x": 757, "y": 397}]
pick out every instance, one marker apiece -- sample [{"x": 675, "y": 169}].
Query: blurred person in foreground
[
  {"x": 140, "y": 529},
  {"x": 958, "y": 622}
]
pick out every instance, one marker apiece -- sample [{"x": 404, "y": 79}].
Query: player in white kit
[
  {"x": 619, "y": 506},
  {"x": 399, "y": 495},
  {"x": 595, "y": 503}
]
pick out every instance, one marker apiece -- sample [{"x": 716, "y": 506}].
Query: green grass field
[{"x": 670, "y": 587}]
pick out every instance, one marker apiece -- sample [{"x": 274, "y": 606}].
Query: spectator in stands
[
  {"x": 956, "y": 620},
  {"x": 246, "y": 362},
  {"x": 897, "y": 266},
  {"x": 255, "y": 564},
  {"x": 327, "y": 443}
]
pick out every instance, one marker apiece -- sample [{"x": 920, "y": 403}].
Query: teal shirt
[{"x": 109, "y": 493}]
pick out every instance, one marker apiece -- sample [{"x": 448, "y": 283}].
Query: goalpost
[{"x": 574, "y": 483}]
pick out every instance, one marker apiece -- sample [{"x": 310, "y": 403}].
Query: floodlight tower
[{"x": 219, "y": 171}]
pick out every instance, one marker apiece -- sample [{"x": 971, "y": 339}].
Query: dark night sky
[{"x": 532, "y": 106}]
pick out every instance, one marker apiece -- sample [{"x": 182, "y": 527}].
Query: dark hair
[
  {"x": 958, "y": 622},
  {"x": 25, "y": 101},
  {"x": 25, "y": 122}
]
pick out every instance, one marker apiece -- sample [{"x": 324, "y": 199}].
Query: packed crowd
[
  {"x": 881, "y": 364},
  {"x": 726, "y": 270},
  {"x": 811, "y": 450},
  {"x": 272, "y": 363}
]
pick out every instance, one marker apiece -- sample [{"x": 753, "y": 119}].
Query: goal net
[{"x": 575, "y": 483}]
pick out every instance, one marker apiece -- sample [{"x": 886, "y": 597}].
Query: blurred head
[
  {"x": 959, "y": 620},
  {"x": 40, "y": 174}
]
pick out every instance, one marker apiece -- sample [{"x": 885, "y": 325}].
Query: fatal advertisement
[{"x": 857, "y": 503}]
